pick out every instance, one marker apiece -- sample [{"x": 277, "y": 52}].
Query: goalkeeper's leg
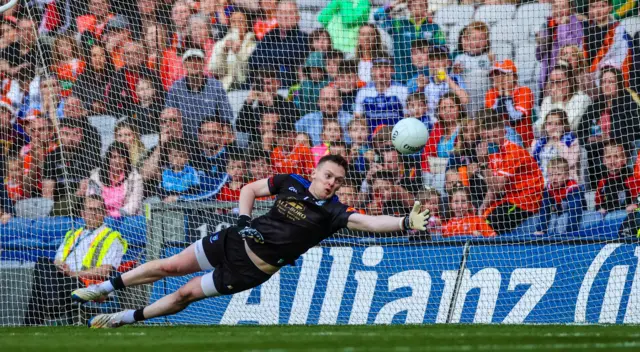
[
  {"x": 186, "y": 262},
  {"x": 173, "y": 303}
]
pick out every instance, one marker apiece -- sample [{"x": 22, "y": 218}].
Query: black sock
[
  {"x": 117, "y": 283},
  {"x": 138, "y": 315}
]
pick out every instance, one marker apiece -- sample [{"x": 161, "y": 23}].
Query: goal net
[{"x": 128, "y": 129}]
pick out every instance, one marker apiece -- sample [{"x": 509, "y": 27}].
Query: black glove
[
  {"x": 249, "y": 232},
  {"x": 243, "y": 221}
]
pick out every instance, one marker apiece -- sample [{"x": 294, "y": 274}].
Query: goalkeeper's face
[{"x": 326, "y": 179}]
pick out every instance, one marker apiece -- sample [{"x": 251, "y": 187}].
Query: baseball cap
[
  {"x": 506, "y": 66},
  {"x": 197, "y": 53}
]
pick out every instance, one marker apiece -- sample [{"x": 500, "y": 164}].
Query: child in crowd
[
  {"x": 417, "y": 109},
  {"x": 442, "y": 79},
  {"x": 179, "y": 177},
  {"x": 302, "y": 138},
  {"x": 420, "y": 61},
  {"x": 259, "y": 165},
  {"x": 432, "y": 200},
  {"x": 287, "y": 157},
  {"x": 349, "y": 195},
  {"x": 510, "y": 99},
  {"x": 384, "y": 197},
  {"x": 315, "y": 78},
  {"x": 475, "y": 61},
  {"x": 348, "y": 83},
  {"x": 146, "y": 112},
  {"x": 13, "y": 181},
  {"x": 617, "y": 189},
  {"x": 465, "y": 221},
  {"x": 333, "y": 59},
  {"x": 237, "y": 172},
  {"x": 558, "y": 141},
  {"x": 562, "y": 195},
  {"x": 331, "y": 133},
  {"x": 360, "y": 149},
  {"x": 320, "y": 41}
]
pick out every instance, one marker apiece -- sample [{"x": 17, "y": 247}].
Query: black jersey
[{"x": 297, "y": 221}]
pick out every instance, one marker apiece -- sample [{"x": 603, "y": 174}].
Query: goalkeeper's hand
[
  {"x": 416, "y": 220},
  {"x": 250, "y": 232}
]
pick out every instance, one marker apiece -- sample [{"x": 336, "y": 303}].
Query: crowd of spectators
[{"x": 168, "y": 72}]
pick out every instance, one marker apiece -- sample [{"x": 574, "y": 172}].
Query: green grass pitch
[{"x": 452, "y": 338}]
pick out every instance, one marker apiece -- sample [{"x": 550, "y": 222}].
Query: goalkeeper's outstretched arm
[{"x": 384, "y": 223}]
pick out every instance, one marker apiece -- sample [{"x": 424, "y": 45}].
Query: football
[{"x": 409, "y": 136}]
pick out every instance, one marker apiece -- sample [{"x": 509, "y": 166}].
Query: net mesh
[{"x": 129, "y": 128}]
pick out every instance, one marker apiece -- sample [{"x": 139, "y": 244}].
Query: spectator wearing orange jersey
[
  {"x": 465, "y": 221},
  {"x": 68, "y": 64},
  {"x": 510, "y": 99},
  {"x": 288, "y": 158},
  {"x": 514, "y": 180}
]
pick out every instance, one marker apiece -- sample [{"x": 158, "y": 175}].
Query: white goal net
[{"x": 128, "y": 129}]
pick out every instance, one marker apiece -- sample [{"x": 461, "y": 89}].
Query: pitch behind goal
[{"x": 248, "y": 254}]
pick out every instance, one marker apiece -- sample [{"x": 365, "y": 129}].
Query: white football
[{"x": 409, "y": 136}]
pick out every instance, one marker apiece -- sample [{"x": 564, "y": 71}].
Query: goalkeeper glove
[
  {"x": 249, "y": 232},
  {"x": 243, "y": 221},
  {"x": 416, "y": 220}
]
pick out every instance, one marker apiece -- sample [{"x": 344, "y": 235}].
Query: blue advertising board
[{"x": 516, "y": 283}]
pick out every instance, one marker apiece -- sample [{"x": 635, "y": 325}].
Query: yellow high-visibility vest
[{"x": 97, "y": 250}]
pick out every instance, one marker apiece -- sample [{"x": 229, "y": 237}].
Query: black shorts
[
  {"x": 233, "y": 270},
  {"x": 507, "y": 217}
]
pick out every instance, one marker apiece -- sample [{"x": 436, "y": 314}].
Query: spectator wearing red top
[
  {"x": 465, "y": 221},
  {"x": 617, "y": 188},
  {"x": 510, "y": 99},
  {"x": 443, "y": 137},
  {"x": 171, "y": 68},
  {"x": 514, "y": 180},
  {"x": 287, "y": 157},
  {"x": 238, "y": 177}
]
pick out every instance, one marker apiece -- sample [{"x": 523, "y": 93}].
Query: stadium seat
[
  {"x": 503, "y": 50},
  {"x": 309, "y": 21},
  {"x": 453, "y": 36},
  {"x": 531, "y": 17},
  {"x": 316, "y": 5},
  {"x": 505, "y": 31},
  {"x": 236, "y": 99},
  {"x": 150, "y": 140},
  {"x": 631, "y": 25},
  {"x": 492, "y": 14},
  {"x": 105, "y": 125},
  {"x": 453, "y": 15},
  {"x": 526, "y": 63},
  {"x": 33, "y": 208}
]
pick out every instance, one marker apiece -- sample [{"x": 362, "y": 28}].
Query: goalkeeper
[{"x": 247, "y": 255}]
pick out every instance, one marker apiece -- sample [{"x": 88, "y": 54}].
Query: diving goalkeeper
[{"x": 245, "y": 256}]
